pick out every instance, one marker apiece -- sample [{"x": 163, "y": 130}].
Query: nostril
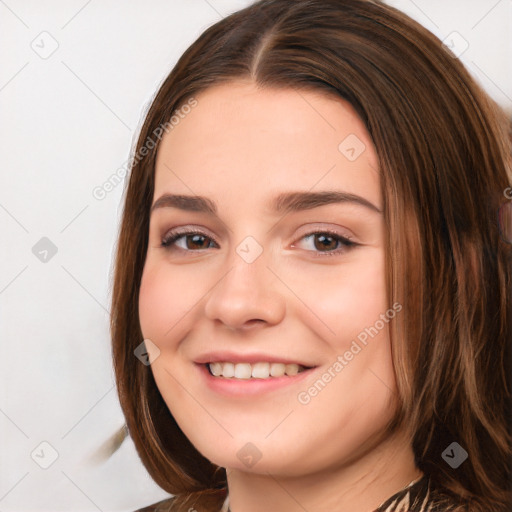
[{"x": 252, "y": 323}]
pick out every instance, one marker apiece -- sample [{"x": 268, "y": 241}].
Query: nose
[{"x": 248, "y": 295}]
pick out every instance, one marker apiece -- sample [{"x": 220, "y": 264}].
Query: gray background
[{"x": 75, "y": 80}]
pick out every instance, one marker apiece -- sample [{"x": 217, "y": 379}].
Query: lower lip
[{"x": 245, "y": 387}]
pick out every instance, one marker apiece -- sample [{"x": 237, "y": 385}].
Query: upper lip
[{"x": 253, "y": 357}]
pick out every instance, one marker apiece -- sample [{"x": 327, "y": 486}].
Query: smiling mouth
[{"x": 246, "y": 371}]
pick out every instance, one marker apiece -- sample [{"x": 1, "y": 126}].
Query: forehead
[{"x": 245, "y": 139}]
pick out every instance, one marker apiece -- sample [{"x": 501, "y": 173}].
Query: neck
[{"x": 359, "y": 486}]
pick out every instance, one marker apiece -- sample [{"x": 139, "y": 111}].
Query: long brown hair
[{"x": 444, "y": 160}]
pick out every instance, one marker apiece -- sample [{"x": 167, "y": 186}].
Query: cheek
[
  {"x": 360, "y": 300},
  {"x": 163, "y": 300},
  {"x": 150, "y": 302},
  {"x": 170, "y": 300},
  {"x": 346, "y": 299}
]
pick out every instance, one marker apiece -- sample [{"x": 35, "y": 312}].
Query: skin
[{"x": 240, "y": 146}]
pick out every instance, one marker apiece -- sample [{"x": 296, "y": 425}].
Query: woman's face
[{"x": 253, "y": 283}]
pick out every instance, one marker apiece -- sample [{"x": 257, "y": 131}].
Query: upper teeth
[{"x": 256, "y": 370}]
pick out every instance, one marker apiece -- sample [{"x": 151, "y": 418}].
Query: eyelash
[{"x": 348, "y": 244}]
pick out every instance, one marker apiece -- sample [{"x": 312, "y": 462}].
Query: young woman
[{"x": 311, "y": 251}]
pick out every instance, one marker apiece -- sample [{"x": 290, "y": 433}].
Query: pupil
[
  {"x": 323, "y": 239},
  {"x": 196, "y": 239}
]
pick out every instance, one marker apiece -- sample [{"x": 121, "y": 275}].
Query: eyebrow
[{"x": 285, "y": 202}]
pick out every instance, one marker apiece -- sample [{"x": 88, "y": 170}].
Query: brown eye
[
  {"x": 328, "y": 243},
  {"x": 193, "y": 241}
]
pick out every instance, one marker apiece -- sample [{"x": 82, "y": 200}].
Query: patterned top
[{"x": 415, "y": 497}]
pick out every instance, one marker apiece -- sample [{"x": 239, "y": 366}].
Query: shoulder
[
  {"x": 161, "y": 506},
  {"x": 169, "y": 504}
]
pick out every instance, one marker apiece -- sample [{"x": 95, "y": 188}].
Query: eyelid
[
  {"x": 176, "y": 233},
  {"x": 318, "y": 227}
]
